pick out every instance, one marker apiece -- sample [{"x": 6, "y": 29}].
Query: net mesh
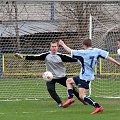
[
  {"x": 105, "y": 33},
  {"x": 28, "y": 27}
]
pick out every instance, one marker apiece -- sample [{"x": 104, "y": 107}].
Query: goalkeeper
[{"x": 54, "y": 62}]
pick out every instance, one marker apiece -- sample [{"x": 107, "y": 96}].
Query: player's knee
[
  {"x": 69, "y": 81},
  {"x": 81, "y": 96}
]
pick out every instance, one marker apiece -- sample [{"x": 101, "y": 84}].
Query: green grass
[{"x": 40, "y": 110}]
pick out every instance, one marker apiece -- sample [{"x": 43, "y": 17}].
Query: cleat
[
  {"x": 98, "y": 109},
  {"x": 68, "y": 102},
  {"x": 60, "y": 104}
]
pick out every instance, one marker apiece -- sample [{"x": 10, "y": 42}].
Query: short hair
[
  {"x": 54, "y": 41},
  {"x": 87, "y": 42}
]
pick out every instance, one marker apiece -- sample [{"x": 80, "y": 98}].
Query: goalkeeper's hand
[{"x": 19, "y": 56}]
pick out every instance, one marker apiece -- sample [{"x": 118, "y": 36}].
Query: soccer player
[
  {"x": 54, "y": 64},
  {"x": 88, "y": 58},
  {"x": 118, "y": 44}
]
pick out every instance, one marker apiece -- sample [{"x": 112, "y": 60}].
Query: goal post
[{"x": 90, "y": 37}]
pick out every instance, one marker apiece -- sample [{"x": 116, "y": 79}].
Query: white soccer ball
[
  {"x": 118, "y": 51},
  {"x": 47, "y": 76}
]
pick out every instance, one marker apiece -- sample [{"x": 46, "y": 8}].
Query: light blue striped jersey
[{"x": 88, "y": 59}]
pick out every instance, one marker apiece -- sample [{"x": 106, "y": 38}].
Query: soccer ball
[
  {"x": 47, "y": 76},
  {"x": 118, "y": 51}
]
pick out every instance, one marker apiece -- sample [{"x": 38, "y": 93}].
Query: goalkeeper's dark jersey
[{"x": 54, "y": 62}]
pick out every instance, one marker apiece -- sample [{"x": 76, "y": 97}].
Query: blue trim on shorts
[{"x": 81, "y": 83}]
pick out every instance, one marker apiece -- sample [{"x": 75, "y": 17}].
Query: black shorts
[{"x": 81, "y": 83}]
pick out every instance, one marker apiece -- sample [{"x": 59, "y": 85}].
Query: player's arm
[
  {"x": 105, "y": 55},
  {"x": 20, "y": 56},
  {"x": 33, "y": 57},
  {"x": 67, "y": 58},
  {"x": 37, "y": 57},
  {"x": 65, "y": 46},
  {"x": 113, "y": 60}
]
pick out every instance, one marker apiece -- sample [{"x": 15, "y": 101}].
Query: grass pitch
[{"x": 47, "y": 110}]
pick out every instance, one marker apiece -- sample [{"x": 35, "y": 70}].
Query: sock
[
  {"x": 91, "y": 102},
  {"x": 70, "y": 93}
]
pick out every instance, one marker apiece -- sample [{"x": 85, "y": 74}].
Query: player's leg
[
  {"x": 62, "y": 81},
  {"x": 69, "y": 83},
  {"x": 51, "y": 89},
  {"x": 82, "y": 91},
  {"x": 65, "y": 82},
  {"x": 76, "y": 93}
]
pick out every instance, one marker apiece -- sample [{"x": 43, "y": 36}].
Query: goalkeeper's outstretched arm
[
  {"x": 19, "y": 56},
  {"x": 32, "y": 57}
]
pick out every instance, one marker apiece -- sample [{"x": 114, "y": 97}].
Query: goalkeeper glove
[{"x": 20, "y": 56}]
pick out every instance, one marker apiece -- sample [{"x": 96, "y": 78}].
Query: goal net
[
  {"x": 105, "y": 36},
  {"x": 28, "y": 27}
]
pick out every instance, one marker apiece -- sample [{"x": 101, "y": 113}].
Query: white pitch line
[
  {"x": 16, "y": 113},
  {"x": 9, "y": 100},
  {"x": 50, "y": 111}
]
